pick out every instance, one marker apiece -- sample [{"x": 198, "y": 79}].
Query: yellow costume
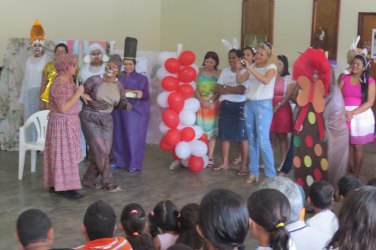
[{"x": 49, "y": 72}]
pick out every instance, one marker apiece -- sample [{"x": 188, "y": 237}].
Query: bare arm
[
  {"x": 265, "y": 79},
  {"x": 366, "y": 105},
  {"x": 76, "y": 96},
  {"x": 220, "y": 89}
]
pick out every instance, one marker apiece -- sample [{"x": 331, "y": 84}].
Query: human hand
[
  {"x": 86, "y": 98},
  {"x": 139, "y": 94},
  {"x": 79, "y": 90},
  {"x": 349, "y": 115}
]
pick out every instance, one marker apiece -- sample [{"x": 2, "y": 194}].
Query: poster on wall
[{"x": 373, "y": 44}]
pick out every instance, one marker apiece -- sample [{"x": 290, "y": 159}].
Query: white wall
[{"x": 83, "y": 19}]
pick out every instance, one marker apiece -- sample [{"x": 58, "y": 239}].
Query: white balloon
[
  {"x": 181, "y": 126},
  {"x": 191, "y": 104},
  {"x": 198, "y": 148},
  {"x": 198, "y": 131},
  {"x": 162, "y": 73},
  {"x": 187, "y": 118},
  {"x": 183, "y": 150},
  {"x": 193, "y": 84},
  {"x": 163, "y": 56},
  {"x": 206, "y": 160},
  {"x": 163, "y": 128},
  {"x": 162, "y": 99}
]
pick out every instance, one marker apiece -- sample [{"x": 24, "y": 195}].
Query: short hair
[
  {"x": 356, "y": 221},
  {"x": 224, "y": 219},
  {"x": 348, "y": 183},
  {"x": 188, "y": 219},
  {"x": 321, "y": 194},
  {"x": 33, "y": 226},
  {"x": 212, "y": 55},
  {"x": 99, "y": 220},
  {"x": 292, "y": 192},
  {"x": 372, "y": 182},
  {"x": 270, "y": 209},
  {"x": 285, "y": 62},
  {"x": 239, "y": 53},
  {"x": 179, "y": 246},
  {"x": 61, "y": 45}
]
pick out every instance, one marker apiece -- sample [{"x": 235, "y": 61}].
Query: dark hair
[
  {"x": 180, "y": 246},
  {"x": 223, "y": 219},
  {"x": 364, "y": 78},
  {"x": 99, "y": 220},
  {"x": 285, "y": 62},
  {"x": 239, "y": 53},
  {"x": 130, "y": 59},
  {"x": 63, "y": 45},
  {"x": 133, "y": 220},
  {"x": 211, "y": 55},
  {"x": 356, "y": 222},
  {"x": 187, "y": 226},
  {"x": 347, "y": 184},
  {"x": 33, "y": 226},
  {"x": 372, "y": 182},
  {"x": 270, "y": 209},
  {"x": 164, "y": 217},
  {"x": 253, "y": 50},
  {"x": 321, "y": 194}
]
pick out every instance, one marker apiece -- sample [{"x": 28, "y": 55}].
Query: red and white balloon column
[{"x": 181, "y": 137}]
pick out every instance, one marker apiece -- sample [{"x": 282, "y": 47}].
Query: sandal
[
  {"x": 236, "y": 161},
  {"x": 211, "y": 164},
  {"x": 219, "y": 168},
  {"x": 242, "y": 173}
]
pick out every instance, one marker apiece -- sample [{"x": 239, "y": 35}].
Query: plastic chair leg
[
  {"x": 21, "y": 162},
  {"x": 33, "y": 160}
]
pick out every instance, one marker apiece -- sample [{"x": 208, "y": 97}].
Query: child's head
[
  {"x": 321, "y": 194},
  {"x": 249, "y": 54},
  {"x": 269, "y": 210},
  {"x": 133, "y": 219},
  {"x": 372, "y": 182},
  {"x": 188, "y": 221},
  {"x": 211, "y": 60},
  {"x": 346, "y": 184},
  {"x": 282, "y": 65},
  {"x": 164, "y": 216},
  {"x": 223, "y": 219}
]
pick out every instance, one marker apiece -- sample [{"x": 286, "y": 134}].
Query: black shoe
[{"x": 73, "y": 194}]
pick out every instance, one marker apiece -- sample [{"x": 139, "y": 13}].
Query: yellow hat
[{"x": 36, "y": 32}]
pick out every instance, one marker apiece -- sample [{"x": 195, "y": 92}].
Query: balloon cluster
[{"x": 186, "y": 141}]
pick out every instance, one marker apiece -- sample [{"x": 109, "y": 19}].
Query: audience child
[
  {"x": 269, "y": 210},
  {"x": 372, "y": 182},
  {"x": 98, "y": 229},
  {"x": 321, "y": 195},
  {"x": 304, "y": 237},
  {"x": 133, "y": 222},
  {"x": 188, "y": 220},
  {"x": 345, "y": 185},
  {"x": 179, "y": 246},
  {"x": 223, "y": 220},
  {"x": 357, "y": 222},
  {"x": 34, "y": 230},
  {"x": 164, "y": 224}
]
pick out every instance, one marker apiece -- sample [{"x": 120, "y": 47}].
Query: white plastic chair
[{"x": 39, "y": 119}]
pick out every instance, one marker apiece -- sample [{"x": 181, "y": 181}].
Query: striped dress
[{"x": 207, "y": 118}]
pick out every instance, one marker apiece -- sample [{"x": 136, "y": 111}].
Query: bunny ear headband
[
  {"x": 229, "y": 46},
  {"x": 354, "y": 47}
]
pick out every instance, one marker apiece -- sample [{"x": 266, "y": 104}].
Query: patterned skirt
[
  {"x": 207, "y": 119},
  {"x": 62, "y": 153}
]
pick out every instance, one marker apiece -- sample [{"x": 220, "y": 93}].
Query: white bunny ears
[
  {"x": 354, "y": 47},
  {"x": 229, "y": 46}
]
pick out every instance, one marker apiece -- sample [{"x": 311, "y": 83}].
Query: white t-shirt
[
  {"x": 228, "y": 78},
  {"x": 325, "y": 221},
  {"x": 257, "y": 90},
  {"x": 88, "y": 71}
]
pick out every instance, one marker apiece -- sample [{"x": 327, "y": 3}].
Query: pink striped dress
[{"x": 62, "y": 153}]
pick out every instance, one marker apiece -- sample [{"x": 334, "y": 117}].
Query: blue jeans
[{"x": 258, "y": 117}]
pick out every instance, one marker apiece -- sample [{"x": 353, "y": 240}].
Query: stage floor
[{"x": 156, "y": 183}]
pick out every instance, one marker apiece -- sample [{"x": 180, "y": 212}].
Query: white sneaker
[{"x": 174, "y": 165}]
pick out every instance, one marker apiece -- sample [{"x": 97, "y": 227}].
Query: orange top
[{"x": 116, "y": 243}]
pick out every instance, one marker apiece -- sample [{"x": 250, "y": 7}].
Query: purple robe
[{"x": 130, "y": 128}]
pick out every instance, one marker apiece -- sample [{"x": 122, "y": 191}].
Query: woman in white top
[{"x": 259, "y": 109}]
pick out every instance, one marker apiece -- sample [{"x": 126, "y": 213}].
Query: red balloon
[
  {"x": 204, "y": 138},
  {"x": 173, "y": 136},
  {"x": 187, "y": 74},
  {"x": 187, "y": 58},
  {"x": 176, "y": 101},
  {"x": 165, "y": 146},
  {"x": 186, "y": 90},
  {"x": 170, "y": 83},
  {"x": 188, "y": 134},
  {"x": 170, "y": 118},
  {"x": 172, "y": 65},
  {"x": 195, "y": 164}
]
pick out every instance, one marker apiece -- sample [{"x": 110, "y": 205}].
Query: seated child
[
  {"x": 320, "y": 196},
  {"x": 133, "y": 222},
  {"x": 345, "y": 185}
]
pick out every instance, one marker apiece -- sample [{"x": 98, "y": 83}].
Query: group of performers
[{"x": 120, "y": 133}]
